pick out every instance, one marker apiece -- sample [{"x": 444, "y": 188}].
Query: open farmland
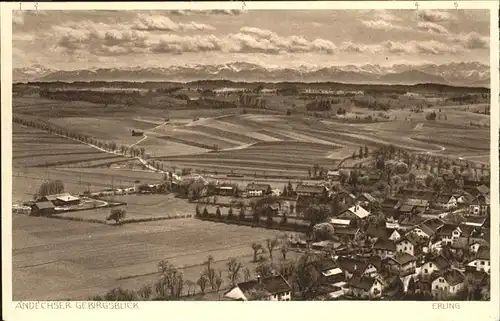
[
  {"x": 79, "y": 259},
  {"x": 290, "y": 158},
  {"x": 35, "y": 148},
  {"x": 141, "y": 207}
]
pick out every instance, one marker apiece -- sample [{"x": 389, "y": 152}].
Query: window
[
  {"x": 481, "y": 262},
  {"x": 430, "y": 264},
  {"x": 426, "y": 271},
  {"x": 437, "y": 287}
]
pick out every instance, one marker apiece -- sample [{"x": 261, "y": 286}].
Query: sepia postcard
[{"x": 158, "y": 158}]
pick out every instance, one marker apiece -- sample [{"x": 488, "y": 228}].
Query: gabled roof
[
  {"x": 402, "y": 258},
  {"x": 352, "y": 265},
  {"x": 447, "y": 229},
  {"x": 44, "y": 205},
  {"x": 483, "y": 189},
  {"x": 258, "y": 187},
  {"x": 346, "y": 231},
  {"x": 312, "y": 189},
  {"x": 433, "y": 223},
  {"x": 269, "y": 285},
  {"x": 324, "y": 265},
  {"x": 382, "y": 244},
  {"x": 483, "y": 252},
  {"x": 427, "y": 229},
  {"x": 443, "y": 198},
  {"x": 390, "y": 202},
  {"x": 416, "y": 194},
  {"x": 416, "y": 202},
  {"x": 380, "y": 232},
  {"x": 475, "y": 220},
  {"x": 359, "y": 282},
  {"x": 405, "y": 208},
  {"x": 368, "y": 197},
  {"x": 359, "y": 211},
  {"x": 67, "y": 198},
  {"x": 442, "y": 263},
  {"x": 454, "y": 277},
  {"x": 53, "y": 197},
  {"x": 342, "y": 192}
]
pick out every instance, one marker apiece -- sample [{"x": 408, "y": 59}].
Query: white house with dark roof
[
  {"x": 256, "y": 190},
  {"x": 384, "y": 248},
  {"x": 437, "y": 264},
  {"x": 481, "y": 262},
  {"x": 364, "y": 287},
  {"x": 445, "y": 202},
  {"x": 272, "y": 288},
  {"x": 449, "y": 283},
  {"x": 402, "y": 264},
  {"x": 449, "y": 233}
]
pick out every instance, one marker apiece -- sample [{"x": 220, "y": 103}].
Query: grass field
[
  {"x": 79, "y": 259},
  {"x": 141, "y": 207}
]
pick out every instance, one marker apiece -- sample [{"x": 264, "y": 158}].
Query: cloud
[
  {"x": 431, "y": 47},
  {"x": 227, "y": 12},
  {"x": 471, "y": 40},
  {"x": 432, "y": 27},
  {"x": 434, "y": 16},
  {"x": 348, "y": 46},
  {"x": 380, "y": 25},
  {"x": 180, "y": 44},
  {"x": 162, "y": 23}
]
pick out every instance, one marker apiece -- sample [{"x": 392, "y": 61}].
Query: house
[
  {"x": 422, "y": 230},
  {"x": 52, "y": 198},
  {"x": 407, "y": 222},
  {"x": 437, "y": 264},
  {"x": 364, "y": 287},
  {"x": 66, "y": 200},
  {"x": 418, "y": 205},
  {"x": 326, "y": 271},
  {"x": 390, "y": 205},
  {"x": 136, "y": 133},
  {"x": 348, "y": 233},
  {"x": 355, "y": 211},
  {"x": 256, "y": 190},
  {"x": 356, "y": 266},
  {"x": 334, "y": 175},
  {"x": 475, "y": 244},
  {"x": 42, "y": 209},
  {"x": 402, "y": 264},
  {"x": 376, "y": 233},
  {"x": 415, "y": 194},
  {"x": 395, "y": 235},
  {"x": 272, "y": 288},
  {"x": 345, "y": 198},
  {"x": 384, "y": 248},
  {"x": 342, "y": 222},
  {"x": 449, "y": 234},
  {"x": 479, "y": 208},
  {"x": 481, "y": 262},
  {"x": 412, "y": 244},
  {"x": 366, "y": 200},
  {"x": 445, "y": 202},
  {"x": 311, "y": 190},
  {"x": 225, "y": 190},
  {"x": 449, "y": 283},
  {"x": 475, "y": 221}
]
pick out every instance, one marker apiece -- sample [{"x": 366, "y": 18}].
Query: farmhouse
[
  {"x": 479, "y": 208},
  {"x": 355, "y": 211},
  {"x": 225, "y": 190},
  {"x": 63, "y": 199},
  {"x": 411, "y": 244},
  {"x": 137, "y": 133},
  {"x": 256, "y": 190},
  {"x": 334, "y": 175},
  {"x": 438, "y": 264},
  {"x": 326, "y": 271},
  {"x": 481, "y": 262},
  {"x": 364, "y": 287},
  {"x": 356, "y": 266},
  {"x": 345, "y": 198},
  {"x": 376, "y": 233},
  {"x": 366, "y": 200},
  {"x": 449, "y": 283},
  {"x": 384, "y": 248},
  {"x": 272, "y": 288},
  {"x": 445, "y": 202},
  {"x": 390, "y": 206},
  {"x": 311, "y": 190},
  {"x": 449, "y": 233},
  {"x": 42, "y": 209},
  {"x": 402, "y": 264}
]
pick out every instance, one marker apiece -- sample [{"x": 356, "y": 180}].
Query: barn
[{"x": 42, "y": 209}]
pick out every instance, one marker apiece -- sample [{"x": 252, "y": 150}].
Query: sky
[{"x": 71, "y": 40}]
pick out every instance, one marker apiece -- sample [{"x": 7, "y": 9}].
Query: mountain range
[{"x": 473, "y": 74}]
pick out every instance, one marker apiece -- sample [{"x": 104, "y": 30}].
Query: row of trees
[{"x": 111, "y": 146}]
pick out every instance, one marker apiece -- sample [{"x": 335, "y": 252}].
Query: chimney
[{"x": 258, "y": 279}]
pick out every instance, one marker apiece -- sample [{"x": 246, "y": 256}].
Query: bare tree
[
  {"x": 202, "y": 282},
  {"x": 234, "y": 267},
  {"x": 271, "y": 245}
]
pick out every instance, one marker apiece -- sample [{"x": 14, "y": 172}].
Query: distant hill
[{"x": 455, "y": 74}]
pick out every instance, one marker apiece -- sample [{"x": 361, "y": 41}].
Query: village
[{"x": 376, "y": 231}]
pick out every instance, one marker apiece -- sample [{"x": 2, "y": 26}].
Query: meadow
[{"x": 80, "y": 259}]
